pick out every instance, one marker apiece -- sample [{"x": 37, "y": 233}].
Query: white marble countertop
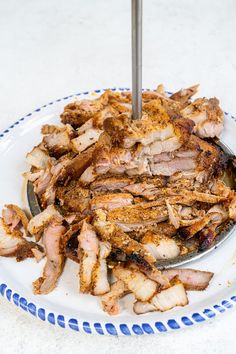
[{"x": 49, "y": 49}]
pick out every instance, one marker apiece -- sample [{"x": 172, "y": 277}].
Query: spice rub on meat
[{"x": 120, "y": 195}]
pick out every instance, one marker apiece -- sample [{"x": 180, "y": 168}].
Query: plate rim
[{"x": 102, "y": 327}]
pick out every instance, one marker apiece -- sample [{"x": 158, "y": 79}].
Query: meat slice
[
  {"x": 192, "y": 279},
  {"x": 155, "y": 126},
  {"x": 48, "y": 196},
  {"x": 232, "y": 207},
  {"x": 55, "y": 258},
  {"x": 165, "y": 300},
  {"x": 38, "y": 158},
  {"x": 57, "y": 140},
  {"x": 134, "y": 250},
  {"x": 217, "y": 215},
  {"x": 12, "y": 244},
  {"x": 79, "y": 112},
  {"x": 42, "y": 181},
  {"x": 207, "y": 116},
  {"x": 100, "y": 283},
  {"x": 13, "y": 229},
  {"x": 137, "y": 216},
  {"x": 144, "y": 189},
  {"x": 111, "y": 201},
  {"x": 110, "y": 232},
  {"x": 214, "y": 217},
  {"x": 139, "y": 284},
  {"x": 89, "y": 245},
  {"x": 76, "y": 166},
  {"x": 110, "y": 300},
  {"x": 39, "y": 222},
  {"x": 161, "y": 247},
  {"x": 110, "y": 184},
  {"x": 183, "y": 96},
  {"x": 70, "y": 243},
  {"x": 96, "y": 122},
  {"x": 73, "y": 197},
  {"x": 88, "y": 138},
  {"x": 196, "y": 156},
  {"x": 169, "y": 168},
  {"x": 16, "y": 219}
]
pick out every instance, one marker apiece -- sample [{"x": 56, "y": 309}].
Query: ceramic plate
[{"x": 65, "y": 307}]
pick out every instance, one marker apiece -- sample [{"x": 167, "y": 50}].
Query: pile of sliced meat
[{"x": 119, "y": 195}]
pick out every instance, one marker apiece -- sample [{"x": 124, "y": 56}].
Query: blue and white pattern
[
  {"x": 110, "y": 328},
  {"x": 114, "y": 329}
]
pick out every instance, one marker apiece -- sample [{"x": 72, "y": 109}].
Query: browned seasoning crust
[{"x": 127, "y": 194}]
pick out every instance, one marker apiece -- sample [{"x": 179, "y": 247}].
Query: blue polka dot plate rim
[{"x": 65, "y": 307}]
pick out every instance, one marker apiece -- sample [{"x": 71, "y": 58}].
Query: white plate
[{"x": 65, "y": 306}]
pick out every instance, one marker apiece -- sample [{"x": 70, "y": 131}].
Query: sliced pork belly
[
  {"x": 12, "y": 244},
  {"x": 70, "y": 243},
  {"x": 88, "y": 138},
  {"x": 32, "y": 176},
  {"x": 165, "y": 300},
  {"x": 214, "y": 217},
  {"x": 53, "y": 268},
  {"x": 73, "y": 197},
  {"x": 110, "y": 184},
  {"x": 183, "y": 96},
  {"x": 139, "y": 284},
  {"x": 39, "y": 222},
  {"x": 217, "y": 215},
  {"x": 76, "y": 166},
  {"x": 16, "y": 219},
  {"x": 13, "y": 230},
  {"x": 79, "y": 112},
  {"x": 232, "y": 208},
  {"x": 89, "y": 132},
  {"x": 135, "y": 216},
  {"x": 111, "y": 201},
  {"x": 196, "y": 156},
  {"x": 44, "y": 185},
  {"x": 207, "y": 116},
  {"x": 160, "y": 247},
  {"x": 48, "y": 196},
  {"x": 57, "y": 141},
  {"x": 110, "y": 300},
  {"x": 97, "y": 120},
  {"x": 108, "y": 231},
  {"x": 192, "y": 279},
  {"x": 169, "y": 168},
  {"x": 89, "y": 245},
  {"x": 38, "y": 158},
  {"x": 100, "y": 281},
  {"x": 42, "y": 181},
  {"x": 154, "y": 126}
]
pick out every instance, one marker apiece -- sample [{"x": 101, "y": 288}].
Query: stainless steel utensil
[{"x": 137, "y": 9}]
